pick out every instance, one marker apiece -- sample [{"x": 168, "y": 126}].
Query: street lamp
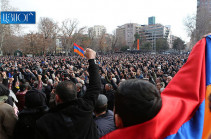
[{"x": 154, "y": 41}]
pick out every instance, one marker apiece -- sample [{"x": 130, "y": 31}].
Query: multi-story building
[
  {"x": 149, "y": 32},
  {"x": 97, "y": 30},
  {"x": 203, "y": 18},
  {"x": 153, "y": 32},
  {"x": 173, "y": 38},
  {"x": 204, "y": 5},
  {"x": 151, "y": 20},
  {"x": 126, "y": 32},
  {"x": 203, "y": 10}
]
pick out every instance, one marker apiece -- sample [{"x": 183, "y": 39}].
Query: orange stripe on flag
[
  {"x": 207, "y": 117},
  {"x": 78, "y": 52}
]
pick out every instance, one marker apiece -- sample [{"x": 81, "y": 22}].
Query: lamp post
[{"x": 154, "y": 41}]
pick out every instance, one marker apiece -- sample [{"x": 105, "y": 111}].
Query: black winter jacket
[
  {"x": 25, "y": 126},
  {"x": 73, "y": 120}
]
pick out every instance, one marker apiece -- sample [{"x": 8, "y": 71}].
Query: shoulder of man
[
  {"x": 5, "y": 107},
  {"x": 47, "y": 120}
]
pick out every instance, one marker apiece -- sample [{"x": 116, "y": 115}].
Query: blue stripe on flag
[
  {"x": 75, "y": 47},
  {"x": 208, "y": 60},
  {"x": 193, "y": 128}
]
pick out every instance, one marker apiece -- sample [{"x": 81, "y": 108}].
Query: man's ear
[
  {"x": 118, "y": 121},
  {"x": 58, "y": 100}
]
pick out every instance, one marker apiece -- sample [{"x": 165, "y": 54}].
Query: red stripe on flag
[{"x": 78, "y": 46}]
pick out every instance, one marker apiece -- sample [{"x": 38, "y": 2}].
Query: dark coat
[
  {"x": 105, "y": 123},
  {"x": 73, "y": 120},
  {"x": 110, "y": 96},
  {"x": 25, "y": 126},
  {"x": 21, "y": 99}
]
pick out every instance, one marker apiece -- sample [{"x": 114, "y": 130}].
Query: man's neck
[{"x": 97, "y": 115}]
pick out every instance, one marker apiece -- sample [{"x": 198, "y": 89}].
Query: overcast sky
[{"x": 112, "y": 13}]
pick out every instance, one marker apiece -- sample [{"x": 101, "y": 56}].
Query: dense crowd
[
  {"x": 116, "y": 67},
  {"x": 30, "y": 86}
]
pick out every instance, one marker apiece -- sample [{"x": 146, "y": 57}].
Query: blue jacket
[{"x": 105, "y": 123}]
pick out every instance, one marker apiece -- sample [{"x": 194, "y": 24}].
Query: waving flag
[
  {"x": 185, "y": 110},
  {"x": 79, "y": 50}
]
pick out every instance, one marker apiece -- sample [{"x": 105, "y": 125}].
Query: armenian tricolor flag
[
  {"x": 79, "y": 50},
  {"x": 185, "y": 110}
]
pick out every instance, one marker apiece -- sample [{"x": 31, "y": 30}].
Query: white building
[
  {"x": 149, "y": 32},
  {"x": 127, "y": 32},
  {"x": 155, "y": 31},
  {"x": 97, "y": 30}
]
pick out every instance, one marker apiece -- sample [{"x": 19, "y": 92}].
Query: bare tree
[
  {"x": 120, "y": 43},
  {"x": 7, "y": 30},
  {"x": 4, "y": 29},
  {"x": 70, "y": 33},
  {"x": 49, "y": 29},
  {"x": 85, "y": 41},
  {"x": 190, "y": 24},
  {"x": 102, "y": 43},
  {"x": 11, "y": 44},
  {"x": 114, "y": 40},
  {"x": 33, "y": 44}
]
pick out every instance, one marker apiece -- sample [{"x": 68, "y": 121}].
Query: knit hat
[{"x": 34, "y": 99}]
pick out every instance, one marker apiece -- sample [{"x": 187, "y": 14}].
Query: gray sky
[{"x": 112, "y": 13}]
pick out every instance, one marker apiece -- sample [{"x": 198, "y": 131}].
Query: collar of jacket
[
  {"x": 3, "y": 98},
  {"x": 64, "y": 105},
  {"x": 42, "y": 109}
]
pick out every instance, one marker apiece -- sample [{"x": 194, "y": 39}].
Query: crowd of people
[{"x": 51, "y": 97}]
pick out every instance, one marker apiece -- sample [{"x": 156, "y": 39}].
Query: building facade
[
  {"x": 203, "y": 10},
  {"x": 203, "y": 18},
  {"x": 151, "y": 20},
  {"x": 155, "y": 31},
  {"x": 149, "y": 33},
  {"x": 126, "y": 32},
  {"x": 97, "y": 30}
]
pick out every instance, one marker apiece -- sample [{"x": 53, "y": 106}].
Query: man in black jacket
[{"x": 72, "y": 117}]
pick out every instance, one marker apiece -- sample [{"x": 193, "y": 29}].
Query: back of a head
[
  {"x": 66, "y": 91},
  {"x": 22, "y": 81},
  {"x": 35, "y": 99},
  {"x": 23, "y": 87},
  {"x": 137, "y": 101},
  {"x": 101, "y": 104}
]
